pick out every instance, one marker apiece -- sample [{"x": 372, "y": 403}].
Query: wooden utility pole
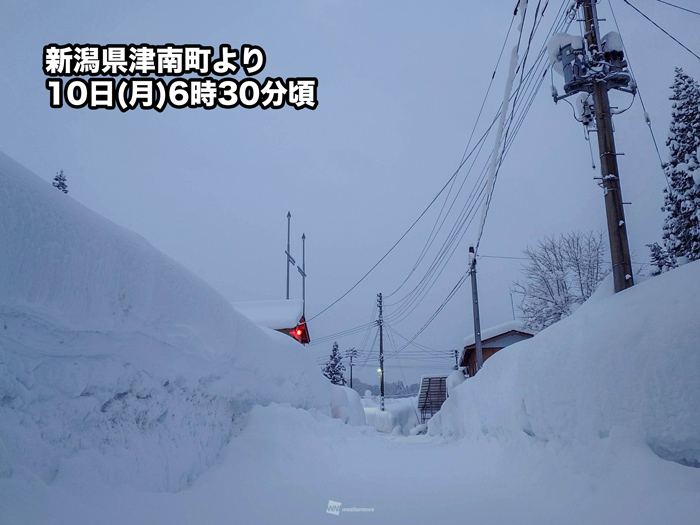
[
  {"x": 380, "y": 322},
  {"x": 475, "y": 309},
  {"x": 617, "y": 228}
]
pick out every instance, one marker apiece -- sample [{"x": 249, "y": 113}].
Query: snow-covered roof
[
  {"x": 277, "y": 314},
  {"x": 495, "y": 331},
  {"x": 433, "y": 376}
]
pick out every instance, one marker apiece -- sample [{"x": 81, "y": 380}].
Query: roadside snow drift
[
  {"x": 347, "y": 406},
  {"x": 623, "y": 367},
  {"x": 115, "y": 361}
]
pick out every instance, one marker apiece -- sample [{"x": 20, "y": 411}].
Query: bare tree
[{"x": 561, "y": 273}]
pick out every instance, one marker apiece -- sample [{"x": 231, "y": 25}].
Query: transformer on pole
[{"x": 592, "y": 65}]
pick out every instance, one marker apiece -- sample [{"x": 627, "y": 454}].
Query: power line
[
  {"x": 414, "y": 298},
  {"x": 450, "y": 180},
  {"x": 647, "y": 119},
  {"x": 505, "y": 147},
  {"x": 679, "y": 7},
  {"x": 340, "y": 334},
  {"x": 419, "y": 291},
  {"x": 397, "y": 242},
  {"x": 435, "y": 314},
  {"x": 664, "y": 31},
  {"x": 502, "y": 257},
  {"x": 431, "y": 238}
]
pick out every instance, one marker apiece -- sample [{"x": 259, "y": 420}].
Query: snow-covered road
[
  {"x": 295, "y": 461},
  {"x": 133, "y": 393}
]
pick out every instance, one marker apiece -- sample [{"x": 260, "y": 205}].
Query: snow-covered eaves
[
  {"x": 278, "y": 314},
  {"x": 495, "y": 331}
]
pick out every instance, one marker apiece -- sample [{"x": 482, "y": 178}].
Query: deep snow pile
[
  {"x": 400, "y": 414},
  {"x": 347, "y": 406},
  {"x": 623, "y": 367},
  {"x": 114, "y": 359}
]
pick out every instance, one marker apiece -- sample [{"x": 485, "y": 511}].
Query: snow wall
[
  {"x": 346, "y": 405},
  {"x": 624, "y": 366},
  {"x": 114, "y": 359}
]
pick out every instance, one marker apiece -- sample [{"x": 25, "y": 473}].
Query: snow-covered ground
[{"x": 130, "y": 392}]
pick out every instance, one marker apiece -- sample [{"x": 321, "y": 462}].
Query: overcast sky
[{"x": 400, "y": 86}]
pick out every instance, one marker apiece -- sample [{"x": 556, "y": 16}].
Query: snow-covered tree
[
  {"x": 661, "y": 259},
  {"x": 334, "y": 367},
  {"x": 59, "y": 181},
  {"x": 681, "y": 236},
  {"x": 560, "y": 274}
]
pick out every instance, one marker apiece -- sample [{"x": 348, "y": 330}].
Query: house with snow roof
[
  {"x": 285, "y": 316},
  {"x": 492, "y": 340}
]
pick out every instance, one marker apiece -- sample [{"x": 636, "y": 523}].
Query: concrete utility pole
[
  {"x": 352, "y": 353},
  {"x": 380, "y": 322},
  {"x": 475, "y": 308},
  {"x": 617, "y": 228},
  {"x": 302, "y": 271},
  {"x": 290, "y": 259}
]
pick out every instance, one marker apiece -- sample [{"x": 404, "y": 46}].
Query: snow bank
[
  {"x": 346, "y": 405},
  {"x": 626, "y": 364},
  {"x": 404, "y": 414},
  {"x": 115, "y": 361},
  {"x": 456, "y": 378},
  {"x": 383, "y": 421}
]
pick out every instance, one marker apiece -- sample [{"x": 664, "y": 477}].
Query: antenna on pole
[
  {"x": 302, "y": 271},
  {"x": 290, "y": 259}
]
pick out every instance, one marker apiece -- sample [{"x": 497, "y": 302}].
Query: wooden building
[
  {"x": 492, "y": 340},
  {"x": 285, "y": 316}
]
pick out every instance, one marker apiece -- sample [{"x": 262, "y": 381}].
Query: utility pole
[
  {"x": 617, "y": 228},
  {"x": 290, "y": 259},
  {"x": 302, "y": 271},
  {"x": 594, "y": 71},
  {"x": 475, "y": 308},
  {"x": 380, "y": 322},
  {"x": 351, "y": 354}
]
